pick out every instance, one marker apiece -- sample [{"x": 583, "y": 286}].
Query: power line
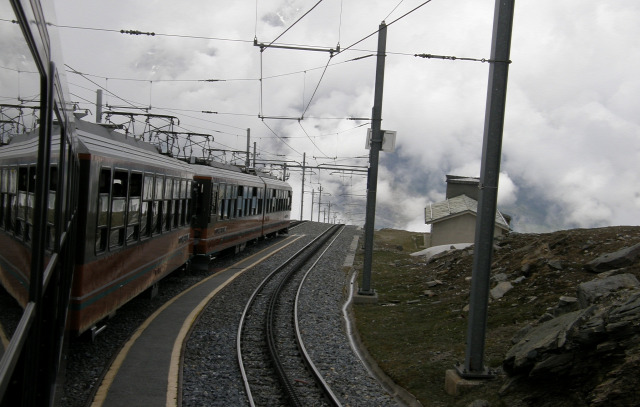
[
  {"x": 151, "y": 34},
  {"x": 291, "y": 26}
]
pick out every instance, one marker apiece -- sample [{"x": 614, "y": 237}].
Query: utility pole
[
  {"x": 487, "y": 200},
  {"x": 304, "y": 162},
  {"x": 247, "y": 162},
  {"x": 313, "y": 191},
  {"x": 254, "y": 154},
  {"x": 99, "y": 106},
  {"x": 319, "y": 201},
  {"x": 374, "y": 153}
]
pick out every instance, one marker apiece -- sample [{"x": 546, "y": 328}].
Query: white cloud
[{"x": 572, "y": 133}]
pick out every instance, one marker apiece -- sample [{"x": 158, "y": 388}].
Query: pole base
[
  {"x": 365, "y": 297},
  {"x": 485, "y": 373}
]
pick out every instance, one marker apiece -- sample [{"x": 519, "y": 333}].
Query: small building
[{"x": 454, "y": 220}]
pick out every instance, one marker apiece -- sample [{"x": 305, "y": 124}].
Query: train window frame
[
  {"x": 188, "y": 204},
  {"x": 51, "y": 222},
  {"x": 132, "y": 228},
  {"x": 119, "y": 199},
  {"x": 146, "y": 207},
  {"x": 103, "y": 206},
  {"x": 158, "y": 207}
]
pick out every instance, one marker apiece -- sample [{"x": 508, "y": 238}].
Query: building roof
[
  {"x": 457, "y": 206},
  {"x": 457, "y": 179}
]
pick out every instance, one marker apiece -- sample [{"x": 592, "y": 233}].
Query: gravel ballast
[{"x": 211, "y": 375}]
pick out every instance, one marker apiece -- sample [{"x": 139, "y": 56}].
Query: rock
[
  {"x": 433, "y": 283},
  {"x": 575, "y": 341},
  {"x": 519, "y": 280},
  {"x": 622, "y": 258},
  {"x": 566, "y": 304},
  {"x": 555, "y": 264},
  {"x": 499, "y": 277},
  {"x": 592, "y": 291},
  {"x": 539, "y": 342},
  {"x": 501, "y": 289}
]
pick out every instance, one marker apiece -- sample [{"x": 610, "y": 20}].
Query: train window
[
  {"x": 118, "y": 208},
  {"x": 148, "y": 187},
  {"x": 145, "y": 228},
  {"x": 167, "y": 188},
  {"x": 120, "y": 184},
  {"x": 176, "y": 188},
  {"x": 168, "y": 204},
  {"x": 177, "y": 208},
  {"x": 185, "y": 191},
  {"x": 51, "y": 208},
  {"x": 274, "y": 201},
  {"x": 116, "y": 232},
  {"x": 186, "y": 204},
  {"x": 133, "y": 220},
  {"x": 135, "y": 185},
  {"x": 10, "y": 199},
  {"x": 239, "y": 212},
  {"x": 102, "y": 227},
  {"x": 167, "y": 215},
  {"x": 232, "y": 201},
  {"x": 159, "y": 185},
  {"x": 214, "y": 200},
  {"x": 133, "y": 215}
]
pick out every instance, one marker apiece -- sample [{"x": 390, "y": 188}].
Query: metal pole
[
  {"x": 99, "y": 106},
  {"x": 487, "y": 203},
  {"x": 247, "y": 163},
  {"x": 313, "y": 191},
  {"x": 374, "y": 152},
  {"x": 319, "y": 201},
  {"x": 254, "y": 154},
  {"x": 304, "y": 158}
]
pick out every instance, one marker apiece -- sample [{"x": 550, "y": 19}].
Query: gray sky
[{"x": 571, "y": 144}]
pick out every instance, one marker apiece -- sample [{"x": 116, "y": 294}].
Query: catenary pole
[
  {"x": 304, "y": 163},
  {"x": 374, "y": 153},
  {"x": 248, "y": 160},
  {"x": 319, "y": 201},
  {"x": 487, "y": 200}
]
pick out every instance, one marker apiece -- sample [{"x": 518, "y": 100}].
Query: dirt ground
[{"x": 425, "y": 301}]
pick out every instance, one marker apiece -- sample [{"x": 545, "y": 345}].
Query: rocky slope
[{"x": 583, "y": 348}]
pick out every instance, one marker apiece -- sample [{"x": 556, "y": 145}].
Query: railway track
[{"x": 275, "y": 366}]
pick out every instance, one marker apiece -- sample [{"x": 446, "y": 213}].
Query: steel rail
[
  {"x": 326, "y": 389},
  {"x": 271, "y": 316},
  {"x": 256, "y": 292}
]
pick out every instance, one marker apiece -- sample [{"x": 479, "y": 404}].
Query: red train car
[
  {"x": 233, "y": 208},
  {"x": 135, "y": 214}
]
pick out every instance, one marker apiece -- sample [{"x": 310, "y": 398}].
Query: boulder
[
  {"x": 622, "y": 258},
  {"x": 501, "y": 289},
  {"x": 575, "y": 341},
  {"x": 591, "y": 291}
]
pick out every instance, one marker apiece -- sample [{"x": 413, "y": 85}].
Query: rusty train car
[{"x": 141, "y": 215}]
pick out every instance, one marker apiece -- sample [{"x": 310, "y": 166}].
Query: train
[
  {"x": 141, "y": 215},
  {"x": 91, "y": 217}
]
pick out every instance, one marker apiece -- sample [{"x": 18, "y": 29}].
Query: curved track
[{"x": 275, "y": 366}]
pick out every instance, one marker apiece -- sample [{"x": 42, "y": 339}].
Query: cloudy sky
[{"x": 571, "y": 143}]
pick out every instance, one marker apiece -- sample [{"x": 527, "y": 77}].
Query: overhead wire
[
  {"x": 280, "y": 138},
  {"x": 310, "y": 139},
  {"x": 394, "y": 9},
  {"x": 291, "y": 26}
]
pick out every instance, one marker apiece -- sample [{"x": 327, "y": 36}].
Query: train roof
[
  {"x": 101, "y": 140},
  {"x": 238, "y": 176}
]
